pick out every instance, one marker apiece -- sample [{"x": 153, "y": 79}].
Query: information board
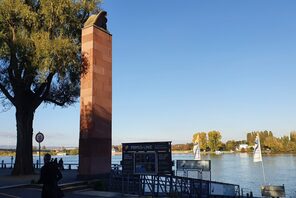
[
  {"x": 147, "y": 158},
  {"x": 204, "y": 165},
  {"x": 220, "y": 189},
  {"x": 145, "y": 163}
]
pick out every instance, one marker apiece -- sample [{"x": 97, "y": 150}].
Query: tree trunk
[{"x": 24, "y": 157}]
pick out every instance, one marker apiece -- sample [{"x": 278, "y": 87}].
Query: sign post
[{"x": 39, "y": 138}]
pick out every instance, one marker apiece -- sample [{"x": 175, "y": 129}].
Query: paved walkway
[
  {"x": 35, "y": 192},
  {"x": 18, "y": 186},
  {"x": 7, "y": 180}
]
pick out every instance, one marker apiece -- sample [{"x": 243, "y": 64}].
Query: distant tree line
[
  {"x": 182, "y": 147},
  {"x": 212, "y": 141},
  {"x": 274, "y": 144},
  {"x": 44, "y": 150},
  {"x": 7, "y": 153}
]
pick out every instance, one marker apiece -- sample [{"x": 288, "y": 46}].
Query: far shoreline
[
  {"x": 9, "y": 154},
  {"x": 222, "y": 152}
]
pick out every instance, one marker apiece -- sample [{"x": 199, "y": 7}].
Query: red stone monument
[{"x": 96, "y": 99}]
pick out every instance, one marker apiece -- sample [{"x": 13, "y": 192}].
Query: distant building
[{"x": 243, "y": 146}]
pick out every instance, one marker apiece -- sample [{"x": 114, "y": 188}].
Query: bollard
[
  {"x": 11, "y": 158},
  {"x": 69, "y": 166},
  {"x": 2, "y": 164},
  {"x": 251, "y": 194},
  {"x": 11, "y": 161}
]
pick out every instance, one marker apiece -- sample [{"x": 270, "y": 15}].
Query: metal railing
[
  {"x": 163, "y": 185},
  {"x": 246, "y": 192},
  {"x": 66, "y": 166},
  {"x": 6, "y": 165}
]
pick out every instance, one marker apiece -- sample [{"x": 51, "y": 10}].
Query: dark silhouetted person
[
  {"x": 55, "y": 161},
  {"x": 49, "y": 177},
  {"x": 61, "y": 164}
]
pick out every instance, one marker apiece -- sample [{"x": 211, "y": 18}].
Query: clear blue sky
[{"x": 180, "y": 67}]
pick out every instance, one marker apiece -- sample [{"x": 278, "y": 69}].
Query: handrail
[
  {"x": 162, "y": 185},
  {"x": 246, "y": 192},
  {"x": 68, "y": 166}
]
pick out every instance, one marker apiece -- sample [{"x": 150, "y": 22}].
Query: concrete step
[
  {"x": 75, "y": 188},
  {"x": 72, "y": 184}
]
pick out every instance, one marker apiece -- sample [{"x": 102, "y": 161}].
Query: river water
[{"x": 235, "y": 168}]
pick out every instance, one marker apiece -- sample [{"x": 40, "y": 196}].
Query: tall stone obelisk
[{"x": 96, "y": 99}]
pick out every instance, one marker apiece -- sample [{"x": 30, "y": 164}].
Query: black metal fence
[
  {"x": 66, "y": 166},
  {"x": 163, "y": 185}
]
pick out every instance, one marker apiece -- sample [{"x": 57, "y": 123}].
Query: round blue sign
[{"x": 39, "y": 137}]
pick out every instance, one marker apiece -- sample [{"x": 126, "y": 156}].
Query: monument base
[{"x": 93, "y": 177}]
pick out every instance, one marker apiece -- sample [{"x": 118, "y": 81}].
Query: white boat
[{"x": 218, "y": 152}]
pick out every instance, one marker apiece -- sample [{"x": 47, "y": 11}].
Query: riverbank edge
[{"x": 9, "y": 154}]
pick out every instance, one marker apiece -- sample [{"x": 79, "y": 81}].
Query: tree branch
[
  {"x": 7, "y": 94},
  {"x": 13, "y": 64},
  {"x": 43, "y": 91},
  {"x": 48, "y": 82},
  {"x": 40, "y": 90},
  {"x": 55, "y": 102}
]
